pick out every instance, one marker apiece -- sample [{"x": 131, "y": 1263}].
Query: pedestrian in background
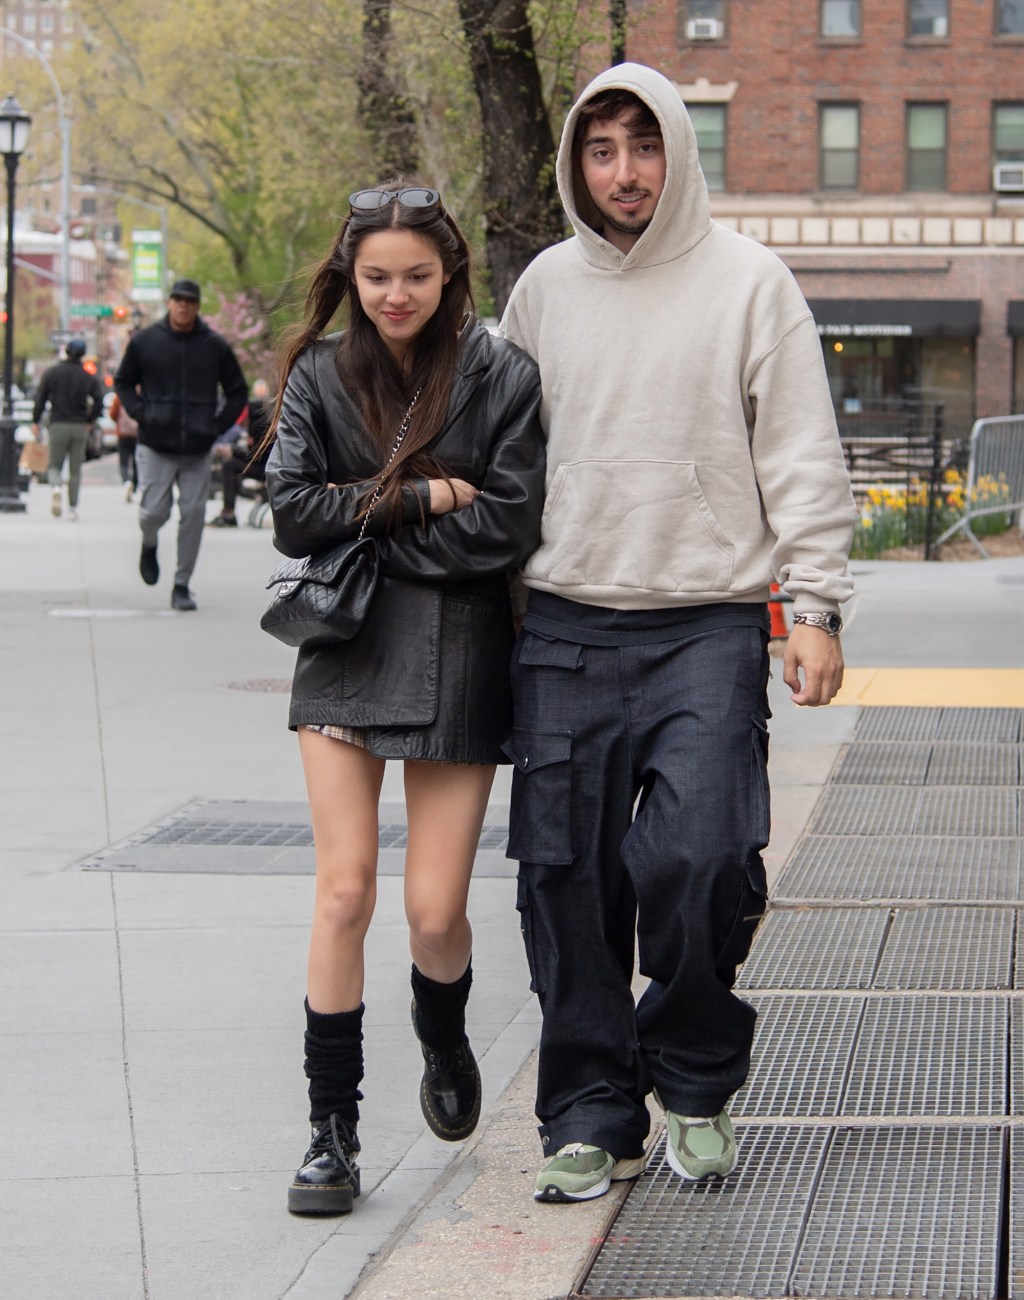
[
  {"x": 693, "y": 459},
  {"x": 181, "y": 381},
  {"x": 241, "y": 456},
  {"x": 127, "y": 440},
  {"x": 75, "y": 399},
  {"x": 426, "y": 678}
]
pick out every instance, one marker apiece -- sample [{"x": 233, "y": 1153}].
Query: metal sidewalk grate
[
  {"x": 727, "y": 1238},
  {"x": 927, "y": 763},
  {"x": 905, "y": 1212},
  {"x": 930, "y": 1056},
  {"x": 997, "y": 726},
  {"x": 949, "y": 948},
  {"x": 974, "y": 810},
  {"x": 1017, "y": 1078},
  {"x": 992, "y": 726},
  {"x": 262, "y": 837},
  {"x": 866, "y": 810},
  {"x": 251, "y": 834},
  {"x": 884, "y": 763},
  {"x": 904, "y": 810},
  {"x": 834, "y": 868},
  {"x": 815, "y": 948},
  {"x": 1015, "y": 1175},
  {"x": 272, "y": 834},
  {"x": 802, "y": 1048},
  {"x": 974, "y": 765},
  {"x": 897, "y": 724}
]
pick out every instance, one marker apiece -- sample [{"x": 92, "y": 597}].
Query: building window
[
  {"x": 928, "y": 18},
  {"x": 28, "y": 21},
  {"x": 1010, "y": 17},
  {"x": 1008, "y": 133},
  {"x": 926, "y": 146},
  {"x": 46, "y": 22},
  {"x": 839, "y": 136},
  {"x": 709, "y": 123},
  {"x": 701, "y": 20},
  {"x": 840, "y": 17}
]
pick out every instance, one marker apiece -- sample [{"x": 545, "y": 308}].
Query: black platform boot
[
  {"x": 327, "y": 1181},
  {"x": 450, "y": 1088}
]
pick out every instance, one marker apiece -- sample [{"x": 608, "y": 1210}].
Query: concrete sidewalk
[{"x": 151, "y": 1023}]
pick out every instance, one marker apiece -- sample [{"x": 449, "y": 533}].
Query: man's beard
[{"x": 627, "y": 226}]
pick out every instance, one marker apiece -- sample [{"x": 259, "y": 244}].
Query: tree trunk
[
  {"x": 522, "y": 211},
  {"x": 385, "y": 112}
]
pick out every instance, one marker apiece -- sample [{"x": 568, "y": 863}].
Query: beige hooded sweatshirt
[{"x": 693, "y": 455}]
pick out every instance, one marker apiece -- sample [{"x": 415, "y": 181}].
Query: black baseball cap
[
  {"x": 75, "y": 348},
  {"x": 185, "y": 289}
]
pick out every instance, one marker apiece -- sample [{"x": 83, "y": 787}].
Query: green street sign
[{"x": 91, "y": 309}]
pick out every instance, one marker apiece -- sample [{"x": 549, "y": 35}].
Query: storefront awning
[
  {"x": 1015, "y": 318},
  {"x": 897, "y": 317}
]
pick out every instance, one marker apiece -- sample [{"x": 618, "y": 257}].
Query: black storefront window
[{"x": 881, "y": 353}]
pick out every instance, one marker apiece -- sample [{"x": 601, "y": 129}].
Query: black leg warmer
[
  {"x": 440, "y": 1009},
  {"x": 334, "y": 1063}
]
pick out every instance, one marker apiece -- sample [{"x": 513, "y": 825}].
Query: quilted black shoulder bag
[{"x": 325, "y": 598}]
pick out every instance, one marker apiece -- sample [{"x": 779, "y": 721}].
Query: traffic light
[{"x": 120, "y": 313}]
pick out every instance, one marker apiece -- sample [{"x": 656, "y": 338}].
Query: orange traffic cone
[{"x": 780, "y": 631}]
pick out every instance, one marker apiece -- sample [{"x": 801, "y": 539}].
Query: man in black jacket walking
[
  {"x": 75, "y": 399},
  {"x": 169, "y": 380}
]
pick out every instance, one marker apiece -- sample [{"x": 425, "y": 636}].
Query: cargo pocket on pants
[
  {"x": 753, "y": 899},
  {"x": 539, "y": 828}
]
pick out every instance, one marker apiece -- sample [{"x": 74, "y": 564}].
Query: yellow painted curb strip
[{"x": 954, "y": 688}]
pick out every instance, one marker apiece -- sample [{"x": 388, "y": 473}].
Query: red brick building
[{"x": 878, "y": 147}]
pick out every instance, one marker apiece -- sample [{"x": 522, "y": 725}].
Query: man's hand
[
  {"x": 820, "y": 657},
  {"x": 222, "y": 451}
]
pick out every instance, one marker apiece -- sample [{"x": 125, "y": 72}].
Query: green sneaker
[
  {"x": 697, "y": 1147},
  {"x": 577, "y": 1173}
]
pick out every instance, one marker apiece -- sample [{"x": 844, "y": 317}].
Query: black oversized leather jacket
[{"x": 389, "y": 674}]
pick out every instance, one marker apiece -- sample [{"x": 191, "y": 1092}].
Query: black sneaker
[
  {"x": 223, "y": 521},
  {"x": 328, "y": 1179},
  {"x": 148, "y": 566},
  {"x": 449, "y": 1090},
  {"x": 181, "y": 598}
]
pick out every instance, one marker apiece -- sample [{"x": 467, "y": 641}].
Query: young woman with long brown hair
[{"x": 426, "y": 678}]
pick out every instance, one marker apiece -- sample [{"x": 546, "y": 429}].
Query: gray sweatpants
[{"x": 158, "y": 475}]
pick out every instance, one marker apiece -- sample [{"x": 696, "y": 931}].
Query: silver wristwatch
[{"x": 830, "y": 623}]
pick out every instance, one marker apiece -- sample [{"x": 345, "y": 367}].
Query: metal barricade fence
[{"x": 996, "y": 452}]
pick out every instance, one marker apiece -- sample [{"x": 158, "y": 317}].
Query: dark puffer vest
[{"x": 434, "y": 651}]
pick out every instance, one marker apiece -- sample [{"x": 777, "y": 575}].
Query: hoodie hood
[{"x": 683, "y": 215}]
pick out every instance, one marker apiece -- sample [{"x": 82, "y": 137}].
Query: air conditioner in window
[
  {"x": 937, "y": 25},
  {"x": 704, "y": 29},
  {"x": 1008, "y": 178}
]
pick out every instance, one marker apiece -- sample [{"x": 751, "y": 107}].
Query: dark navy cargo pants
[{"x": 639, "y": 811}]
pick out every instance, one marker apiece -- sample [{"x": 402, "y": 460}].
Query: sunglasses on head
[{"x": 374, "y": 200}]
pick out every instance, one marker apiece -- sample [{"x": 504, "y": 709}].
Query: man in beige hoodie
[{"x": 693, "y": 459}]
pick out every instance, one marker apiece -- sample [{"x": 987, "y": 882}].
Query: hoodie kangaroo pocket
[{"x": 642, "y": 524}]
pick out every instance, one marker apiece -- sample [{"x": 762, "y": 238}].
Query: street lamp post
[{"x": 14, "y": 125}]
